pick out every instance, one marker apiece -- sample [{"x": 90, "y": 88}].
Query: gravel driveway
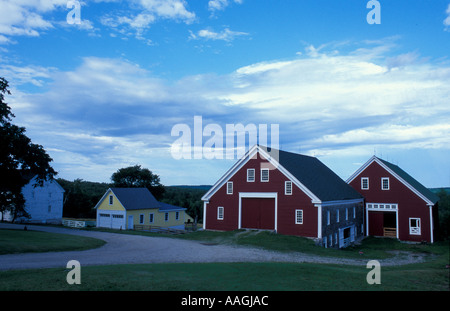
[{"x": 134, "y": 249}]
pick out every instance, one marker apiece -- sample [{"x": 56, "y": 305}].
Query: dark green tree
[
  {"x": 136, "y": 177},
  {"x": 19, "y": 159}
]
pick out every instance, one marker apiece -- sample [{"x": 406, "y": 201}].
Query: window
[
  {"x": 337, "y": 215},
  {"x": 150, "y": 218},
  {"x": 414, "y": 226},
  {"x": 328, "y": 217},
  {"x": 251, "y": 175},
  {"x": 385, "y": 183},
  {"x": 166, "y": 216},
  {"x": 141, "y": 219},
  {"x": 220, "y": 213},
  {"x": 335, "y": 239},
  {"x": 177, "y": 215},
  {"x": 346, "y": 214},
  {"x": 288, "y": 187},
  {"x": 354, "y": 212},
  {"x": 264, "y": 174},
  {"x": 365, "y": 183},
  {"x": 230, "y": 187},
  {"x": 111, "y": 200},
  {"x": 299, "y": 216}
]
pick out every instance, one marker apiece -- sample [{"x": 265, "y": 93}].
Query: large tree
[
  {"x": 19, "y": 159},
  {"x": 136, "y": 177}
]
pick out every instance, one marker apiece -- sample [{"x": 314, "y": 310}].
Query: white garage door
[{"x": 111, "y": 219}]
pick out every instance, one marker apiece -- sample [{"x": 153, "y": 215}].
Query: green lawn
[
  {"x": 431, "y": 275},
  {"x": 21, "y": 241},
  {"x": 229, "y": 277}
]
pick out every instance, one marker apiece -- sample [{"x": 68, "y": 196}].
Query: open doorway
[{"x": 390, "y": 224}]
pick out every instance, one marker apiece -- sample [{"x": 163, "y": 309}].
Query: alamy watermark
[
  {"x": 74, "y": 275},
  {"x": 374, "y": 275},
  {"x": 374, "y": 15},
  {"x": 74, "y": 16},
  {"x": 231, "y": 143}
]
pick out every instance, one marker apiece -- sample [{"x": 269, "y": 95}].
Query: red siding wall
[
  {"x": 286, "y": 204},
  {"x": 410, "y": 205}
]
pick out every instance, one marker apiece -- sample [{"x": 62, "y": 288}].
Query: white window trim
[
  {"x": 262, "y": 170},
  {"x": 346, "y": 214},
  {"x": 220, "y": 212},
  {"x": 337, "y": 215},
  {"x": 166, "y": 216},
  {"x": 362, "y": 183},
  {"x": 230, "y": 183},
  {"x": 111, "y": 199},
  {"x": 286, "y": 187},
  {"x": 249, "y": 170},
  {"x": 415, "y": 230},
  {"x": 328, "y": 217},
  {"x": 150, "y": 218},
  {"x": 382, "y": 183},
  {"x": 177, "y": 215},
  {"x": 297, "y": 222},
  {"x": 141, "y": 219}
]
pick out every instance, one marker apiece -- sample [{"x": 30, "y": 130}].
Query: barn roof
[{"x": 317, "y": 177}]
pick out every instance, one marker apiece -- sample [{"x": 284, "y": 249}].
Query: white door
[{"x": 130, "y": 222}]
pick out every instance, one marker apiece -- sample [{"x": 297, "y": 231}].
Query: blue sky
[{"x": 106, "y": 93}]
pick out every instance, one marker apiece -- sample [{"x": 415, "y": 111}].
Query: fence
[{"x": 78, "y": 223}]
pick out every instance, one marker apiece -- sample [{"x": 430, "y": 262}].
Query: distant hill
[{"x": 199, "y": 187}]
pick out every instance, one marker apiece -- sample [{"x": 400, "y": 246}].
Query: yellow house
[{"x": 124, "y": 208}]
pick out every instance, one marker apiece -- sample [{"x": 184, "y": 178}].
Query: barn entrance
[
  {"x": 258, "y": 213},
  {"x": 390, "y": 224}
]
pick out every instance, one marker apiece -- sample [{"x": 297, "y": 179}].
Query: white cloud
[
  {"x": 220, "y": 5},
  {"x": 225, "y": 35},
  {"x": 447, "y": 20}
]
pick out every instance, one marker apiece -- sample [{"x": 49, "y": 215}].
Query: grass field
[
  {"x": 21, "y": 241},
  {"x": 429, "y": 276}
]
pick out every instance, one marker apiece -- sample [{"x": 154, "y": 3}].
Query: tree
[
  {"x": 19, "y": 159},
  {"x": 136, "y": 177}
]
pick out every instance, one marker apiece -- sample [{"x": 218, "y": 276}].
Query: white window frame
[
  {"x": 354, "y": 212},
  {"x": 346, "y": 213},
  {"x": 220, "y": 212},
  {"x": 383, "y": 179},
  {"x": 166, "y": 216},
  {"x": 151, "y": 218},
  {"x": 337, "y": 215},
  {"x": 299, "y": 217},
  {"x": 111, "y": 199},
  {"x": 328, "y": 217},
  {"x": 141, "y": 219},
  {"x": 417, "y": 229},
  {"x": 262, "y": 174},
  {"x": 250, "y": 178},
  {"x": 177, "y": 215},
  {"x": 230, "y": 187},
  {"x": 362, "y": 183},
  {"x": 288, "y": 190}
]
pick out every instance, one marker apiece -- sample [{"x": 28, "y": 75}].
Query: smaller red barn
[
  {"x": 291, "y": 194},
  {"x": 396, "y": 204}
]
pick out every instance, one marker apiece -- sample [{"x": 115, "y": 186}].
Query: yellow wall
[
  {"x": 116, "y": 206},
  {"x": 158, "y": 217}
]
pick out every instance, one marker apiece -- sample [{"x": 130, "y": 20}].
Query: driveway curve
[{"x": 136, "y": 249}]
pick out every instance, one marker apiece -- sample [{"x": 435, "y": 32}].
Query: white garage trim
[{"x": 111, "y": 219}]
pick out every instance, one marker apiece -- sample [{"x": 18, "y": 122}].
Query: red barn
[
  {"x": 291, "y": 194},
  {"x": 396, "y": 205}
]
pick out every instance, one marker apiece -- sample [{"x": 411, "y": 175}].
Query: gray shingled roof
[
  {"x": 317, "y": 177},
  {"x": 413, "y": 182},
  {"x": 141, "y": 198}
]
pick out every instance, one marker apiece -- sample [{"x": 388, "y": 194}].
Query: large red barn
[
  {"x": 396, "y": 204},
  {"x": 291, "y": 194}
]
